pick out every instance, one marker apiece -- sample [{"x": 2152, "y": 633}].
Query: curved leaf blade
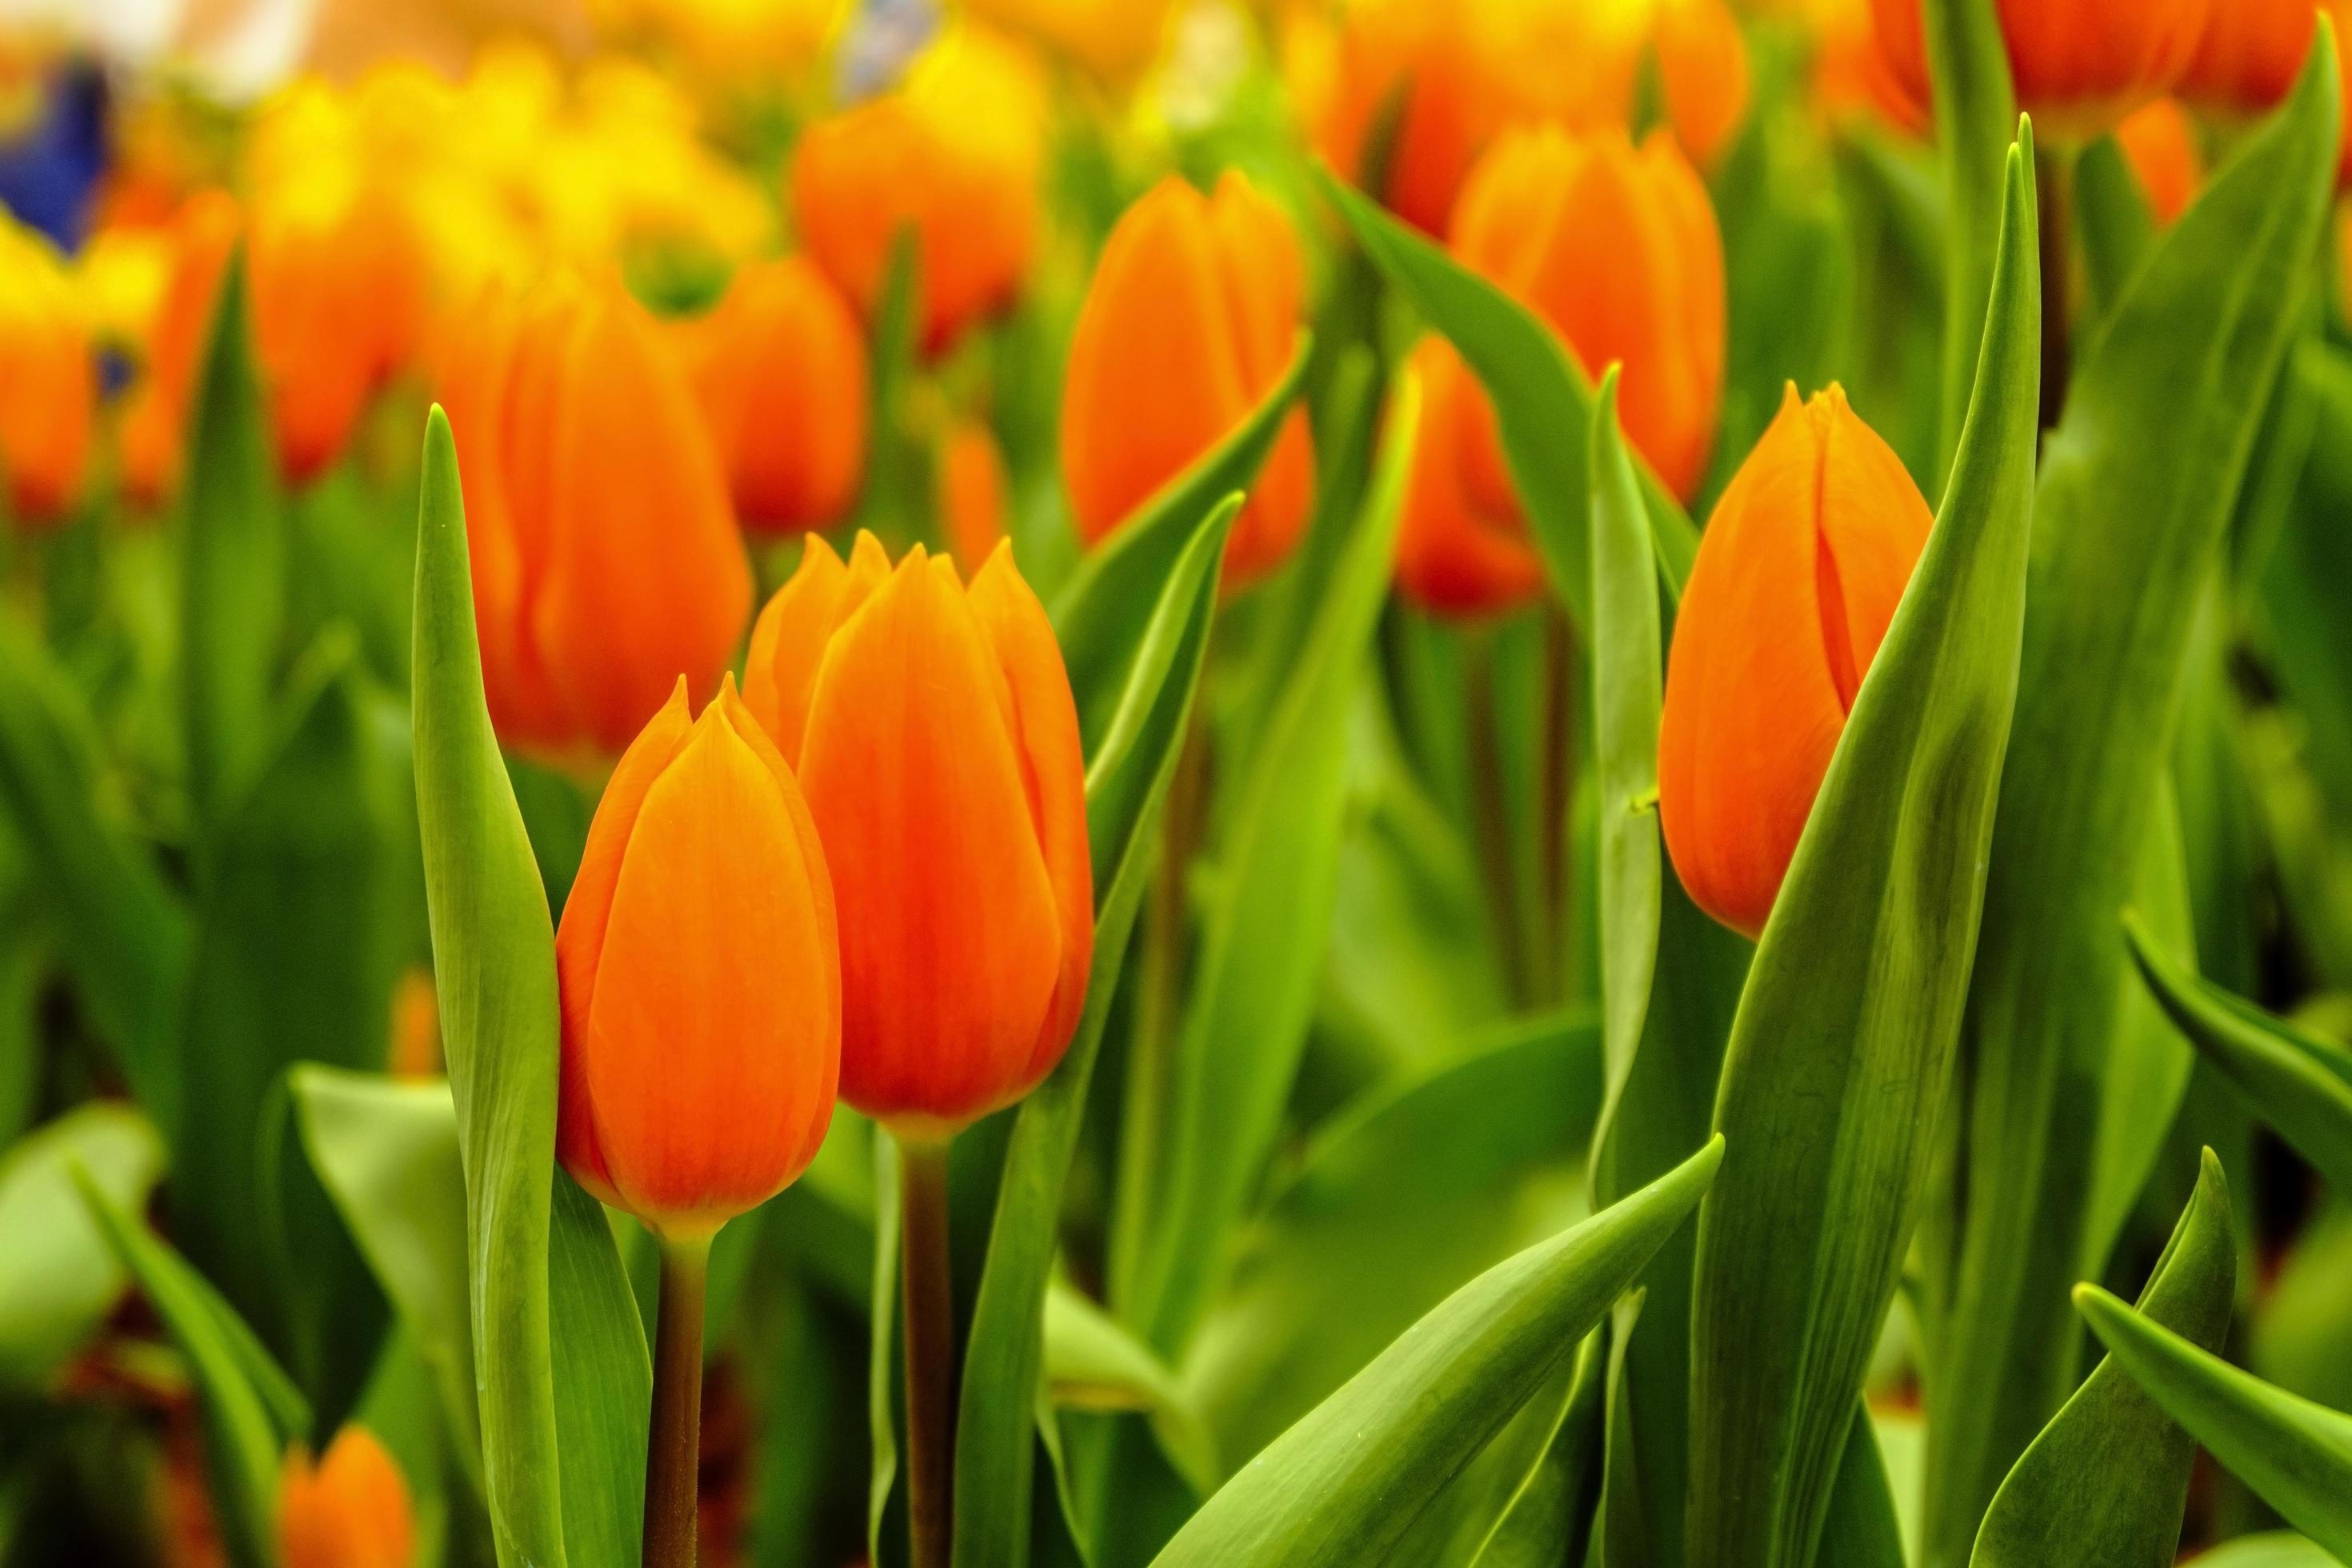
[{"x": 62, "y": 1273}]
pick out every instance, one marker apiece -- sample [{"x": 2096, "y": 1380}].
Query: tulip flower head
[
  {"x": 1190, "y": 322},
  {"x": 931, "y": 726},
  {"x": 154, "y": 424},
  {"x": 352, "y": 1510},
  {"x": 1453, "y": 557},
  {"x": 1616, "y": 247},
  {"x": 604, "y": 553},
  {"x": 972, "y": 499},
  {"x": 701, "y": 977},
  {"x": 2079, "y": 66},
  {"x": 1798, "y": 575},
  {"x": 2249, "y": 53},
  {"x": 48, "y": 388},
  {"x": 780, "y": 371},
  {"x": 2160, "y": 144},
  {"x": 1702, "y": 70}
]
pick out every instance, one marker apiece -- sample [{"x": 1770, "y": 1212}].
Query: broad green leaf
[
  {"x": 2296, "y": 1456},
  {"x": 1398, "y": 1200},
  {"x": 333, "y": 1325},
  {"x": 1976, "y": 115},
  {"x": 2117, "y": 224},
  {"x": 2297, "y": 1083},
  {"x": 1862, "y": 1529},
  {"x": 1349, "y": 1479},
  {"x": 1126, "y": 783},
  {"x": 1844, "y": 1043},
  {"x": 2104, "y": 1483},
  {"x": 2301, "y": 1338},
  {"x": 232, "y": 561},
  {"x": 251, "y": 1410},
  {"x": 1102, "y": 611},
  {"x": 386, "y": 1152},
  {"x": 2273, "y": 1549},
  {"x": 1261, "y": 951},
  {"x": 561, "y": 1459},
  {"x": 2144, "y": 469},
  {"x": 1541, "y": 396},
  {"x": 1546, "y": 1518},
  {"x": 1092, "y": 1363},
  {"x": 62, "y": 1276}
]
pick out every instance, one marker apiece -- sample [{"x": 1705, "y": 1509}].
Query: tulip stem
[
  {"x": 930, "y": 1308},
  {"x": 673, "y": 1453}
]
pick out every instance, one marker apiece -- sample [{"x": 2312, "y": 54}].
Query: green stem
[
  {"x": 930, "y": 1308},
  {"x": 674, "y": 1454}
]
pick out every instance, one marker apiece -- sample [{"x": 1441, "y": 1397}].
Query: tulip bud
[
  {"x": 1190, "y": 322},
  {"x": 351, "y": 1511},
  {"x": 781, "y": 374},
  {"x": 604, "y": 554},
  {"x": 1451, "y": 558},
  {"x": 1852, "y": 75},
  {"x": 47, "y": 390},
  {"x": 972, "y": 493},
  {"x": 2079, "y": 66},
  {"x": 1617, "y": 248},
  {"x": 2161, "y": 145},
  {"x": 154, "y": 424},
  {"x": 1702, "y": 70},
  {"x": 2250, "y": 54},
  {"x": 701, "y": 977},
  {"x": 932, "y": 727},
  {"x": 951, "y": 156},
  {"x": 1797, "y": 578}
]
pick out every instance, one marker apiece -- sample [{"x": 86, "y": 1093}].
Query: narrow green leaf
[
  {"x": 2293, "y": 1080},
  {"x": 2273, "y": 1549},
  {"x": 62, "y": 1275},
  {"x": 2117, "y": 224},
  {"x": 1863, "y": 1530},
  {"x": 1341, "y": 1486},
  {"x": 1844, "y": 1044},
  {"x": 1092, "y": 1363},
  {"x": 2144, "y": 468},
  {"x": 1126, "y": 784},
  {"x": 2105, "y": 1484},
  {"x": 1539, "y": 392},
  {"x": 1546, "y": 1519},
  {"x": 2296, "y": 1455},
  {"x": 1976, "y": 114}
]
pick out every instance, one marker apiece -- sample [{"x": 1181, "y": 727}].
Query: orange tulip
[
  {"x": 972, "y": 493},
  {"x": 1616, "y": 248},
  {"x": 933, "y": 729},
  {"x": 1190, "y": 321},
  {"x": 781, "y": 374},
  {"x": 1702, "y": 70},
  {"x": 2249, "y": 53},
  {"x": 351, "y": 1511},
  {"x": 1451, "y": 558},
  {"x": 47, "y": 387},
  {"x": 204, "y": 232},
  {"x": 1798, "y": 575},
  {"x": 2079, "y": 66},
  {"x": 701, "y": 978},
  {"x": 606, "y": 558},
  {"x": 2161, "y": 145},
  {"x": 1852, "y": 75}
]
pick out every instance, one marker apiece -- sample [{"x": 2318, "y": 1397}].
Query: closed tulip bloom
[
  {"x": 47, "y": 387},
  {"x": 1852, "y": 75},
  {"x": 2161, "y": 144},
  {"x": 1453, "y": 559},
  {"x": 606, "y": 558},
  {"x": 1798, "y": 575},
  {"x": 781, "y": 374},
  {"x": 1190, "y": 322},
  {"x": 701, "y": 977},
  {"x": 932, "y": 727},
  {"x": 154, "y": 422},
  {"x": 350, "y": 1510},
  {"x": 972, "y": 485},
  {"x": 2079, "y": 66},
  {"x": 2250, "y": 54},
  {"x": 1703, "y": 69},
  {"x": 1616, "y": 247}
]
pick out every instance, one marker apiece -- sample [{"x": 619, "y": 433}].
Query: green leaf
[
  {"x": 1976, "y": 115},
  {"x": 2293, "y": 1080},
  {"x": 1539, "y": 392},
  {"x": 386, "y": 1152},
  {"x": 2296, "y": 1456},
  {"x": 1127, "y": 784},
  {"x": 2273, "y": 1549},
  {"x": 2144, "y": 469},
  {"x": 2104, "y": 1483},
  {"x": 1100, "y": 614},
  {"x": 1844, "y": 1044},
  {"x": 558, "y": 1455},
  {"x": 1262, "y": 949},
  {"x": 1863, "y": 1530},
  {"x": 232, "y": 561},
  {"x": 1342, "y": 1485},
  {"x": 1092, "y": 1363},
  {"x": 251, "y": 1410},
  {"x": 62, "y": 1276},
  {"x": 1543, "y": 1521},
  {"x": 2117, "y": 225}
]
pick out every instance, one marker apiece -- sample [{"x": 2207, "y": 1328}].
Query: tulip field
[{"x": 1175, "y": 783}]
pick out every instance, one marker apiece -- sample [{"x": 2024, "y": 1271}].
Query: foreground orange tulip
[
  {"x": 351, "y": 1511},
  {"x": 2161, "y": 144},
  {"x": 701, "y": 977},
  {"x": 2080, "y": 65},
  {"x": 47, "y": 387},
  {"x": 1452, "y": 559},
  {"x": 932, "y": 727},
  {"x": 1798, "y": 575},
  {"x": 154, "y": 422},
  {"x": 606, "y": 558},
  {"x": 1617, "y": 247},
  {"x": 781, "y": 374},
  {"x": 1191, "y": 319}
]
